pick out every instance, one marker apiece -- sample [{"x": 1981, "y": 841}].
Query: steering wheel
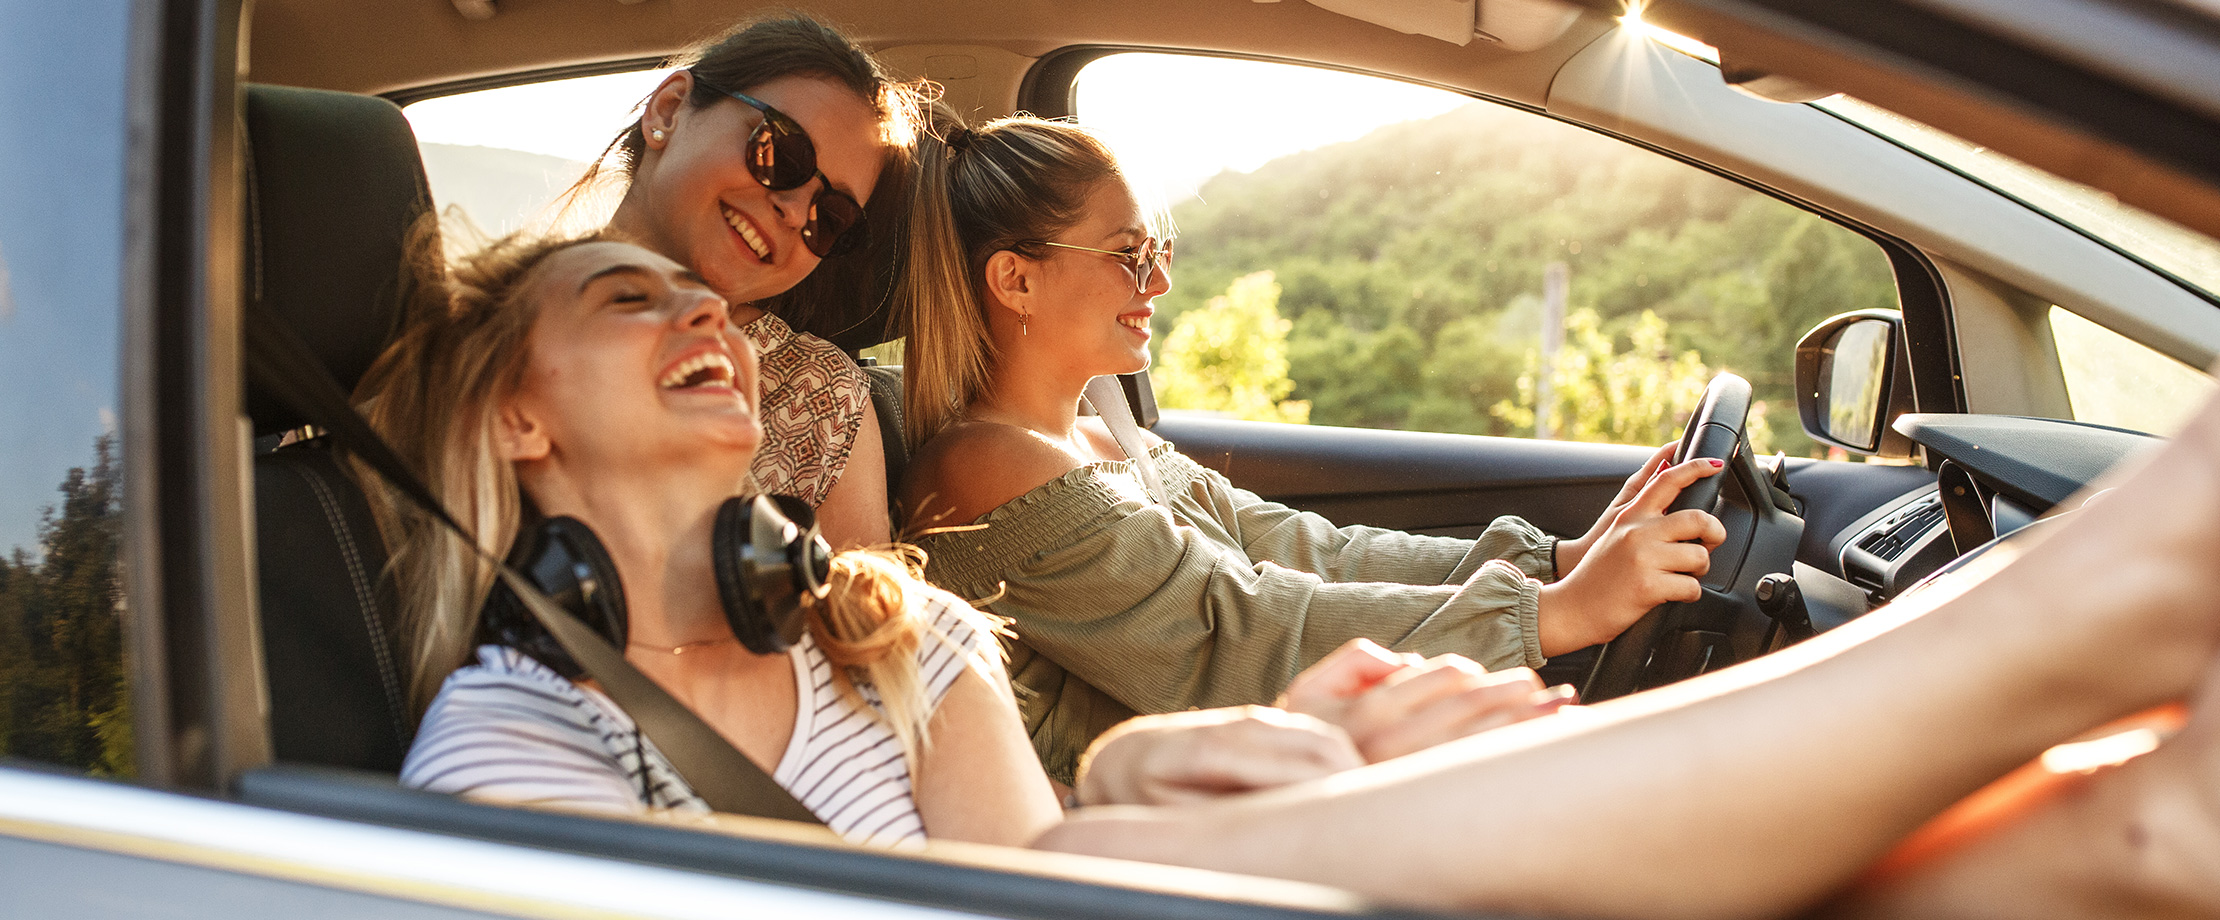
[{"x": 1713, "y": 432}]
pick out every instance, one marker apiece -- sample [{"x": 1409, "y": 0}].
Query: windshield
[
  {"x": 2184, "y": 254},
  {"x": 2190, "y": 257}
]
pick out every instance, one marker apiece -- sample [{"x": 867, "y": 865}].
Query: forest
[
  {"x": 63, "y": 695},
  {"x": 1406, "y": 279}
]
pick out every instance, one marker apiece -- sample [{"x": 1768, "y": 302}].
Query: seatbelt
[
  {"x": 724, "y": 777},
  {"x": 1107, "y": 398}
]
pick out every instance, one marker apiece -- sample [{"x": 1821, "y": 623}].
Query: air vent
[{"x": 1899, "y": 532}]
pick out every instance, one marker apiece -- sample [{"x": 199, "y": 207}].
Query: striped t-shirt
[{"x": 508, "y": 728}]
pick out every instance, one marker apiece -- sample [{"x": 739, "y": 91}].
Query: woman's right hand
[
  {"x": 1201, "y": 754},
  {"x": 1570, "y": 552},
  {"x": 1646, "y": 557}
]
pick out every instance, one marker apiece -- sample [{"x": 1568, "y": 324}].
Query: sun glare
[{"x": 1637, "y": 26}]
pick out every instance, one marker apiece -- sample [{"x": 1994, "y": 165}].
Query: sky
[
  {"x": 61, "y": 239},
  {"x": 1175, "y": 120}
]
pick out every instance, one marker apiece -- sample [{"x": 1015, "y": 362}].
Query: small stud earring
[{"x": 656, "y": 135}]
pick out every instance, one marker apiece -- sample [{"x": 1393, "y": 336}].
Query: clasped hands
[{"x": 1361, "y": 704}]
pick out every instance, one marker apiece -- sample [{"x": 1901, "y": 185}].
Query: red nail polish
[{"x": 1717, "y": 463}]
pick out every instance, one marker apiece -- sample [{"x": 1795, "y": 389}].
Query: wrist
[
  {"x": 1559, "y": 626},
  {"x": 1566, "y": 555}
]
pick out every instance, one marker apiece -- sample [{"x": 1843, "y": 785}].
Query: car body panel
[{"x": 321, "y": 858}]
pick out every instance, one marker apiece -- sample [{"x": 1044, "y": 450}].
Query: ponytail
[
  {"x": 949, "y": 353},
  {"x": 1005, "y": 185}
]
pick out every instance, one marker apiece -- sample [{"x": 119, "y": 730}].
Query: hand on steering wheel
[
  {"x": 1570, "y": 552},
  {"x": 1714, "y": 433},
  {"x": 1643, "y": 557}
]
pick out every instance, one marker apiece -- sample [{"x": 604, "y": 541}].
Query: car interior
[{"x": 332, "y": 179}]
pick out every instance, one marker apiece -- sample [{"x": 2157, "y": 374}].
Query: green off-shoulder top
[{"x": 1121, "y": 606}]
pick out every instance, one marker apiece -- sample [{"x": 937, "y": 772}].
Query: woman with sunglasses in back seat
[
  {"x": 753, "y": 164},
  {"x": 1032, "y": 271}
]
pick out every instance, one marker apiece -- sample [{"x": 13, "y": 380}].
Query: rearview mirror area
[{"x": 1852, "y": 382}]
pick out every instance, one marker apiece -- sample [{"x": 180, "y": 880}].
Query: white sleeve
[
  {"x": 955, "y": 637},
  {"x": 507, "y": 737}
]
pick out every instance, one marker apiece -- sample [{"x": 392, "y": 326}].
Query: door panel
[
  {"x": 1430, "y": 483},
  {"x": 1453, "y": 485}
]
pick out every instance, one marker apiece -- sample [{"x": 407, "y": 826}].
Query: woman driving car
[{"x": 1144, "y": 583}]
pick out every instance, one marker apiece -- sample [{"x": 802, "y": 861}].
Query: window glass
[
  {"x": 63, "y": 697},
  {"x": 1358, "y": 251},
  {"x": 2188, "y": 256},
  {"x": 498, "y": 158},
  {"x": 2114, "y": 380}
]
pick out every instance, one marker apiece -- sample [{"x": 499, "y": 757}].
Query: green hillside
[{"x": 1411, "y": 264}]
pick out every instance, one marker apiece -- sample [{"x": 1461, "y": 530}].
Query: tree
[
  {"x": 1230, "y": 356},
  {"x": 1642, "y": 395},
  {"x": 1409, "y": 261},
  {"x": 63, "y": 691}
]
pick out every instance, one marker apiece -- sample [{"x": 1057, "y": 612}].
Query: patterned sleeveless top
[{"x": 814, "y": 397}]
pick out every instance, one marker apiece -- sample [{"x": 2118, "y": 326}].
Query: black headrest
[{"x": 334, "y": 183}]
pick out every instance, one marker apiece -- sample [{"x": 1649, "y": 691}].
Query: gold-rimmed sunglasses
[{"x": 1145, "y": 260}]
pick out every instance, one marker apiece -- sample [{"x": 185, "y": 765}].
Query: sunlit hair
[
  {"x": 846, "y": 288},
  {"x": 1004, "y": 185},
  {"x": 436, "y": 393}
]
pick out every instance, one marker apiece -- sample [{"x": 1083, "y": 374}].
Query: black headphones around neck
[{"x": 766, "y": 551}]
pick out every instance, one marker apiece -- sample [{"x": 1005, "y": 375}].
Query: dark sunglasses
[{"x": 780, "y": 156}]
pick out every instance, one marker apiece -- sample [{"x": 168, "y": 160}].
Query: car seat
[{"x": 333, "y": 185}]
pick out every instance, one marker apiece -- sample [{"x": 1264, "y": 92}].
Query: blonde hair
[
  {"x": 435, "y": 394},
  {"x": 1006, "y": 185}
]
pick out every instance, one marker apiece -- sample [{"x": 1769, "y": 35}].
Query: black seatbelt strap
[{"x": 726, "y": 779}]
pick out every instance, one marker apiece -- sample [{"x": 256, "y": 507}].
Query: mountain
[{"x": 1411, "y": 262}]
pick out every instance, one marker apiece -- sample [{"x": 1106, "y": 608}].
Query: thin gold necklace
[{"x": 682, "y": 649}]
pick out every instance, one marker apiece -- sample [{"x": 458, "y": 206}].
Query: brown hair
[
  {"x": 843, "y": 300},
  {"x": 1002, "y": 186},
  {"x": 435, "y": 394}
]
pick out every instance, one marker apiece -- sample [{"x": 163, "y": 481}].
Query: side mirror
[{"x": 1852, "y": 381}]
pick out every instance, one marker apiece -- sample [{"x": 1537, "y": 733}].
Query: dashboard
[{"x": 1994, "y": 474}]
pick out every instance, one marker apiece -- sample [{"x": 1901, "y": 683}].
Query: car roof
[
  {"x": 2124, "y": 96},
  {"x": 384, "y": 46}
]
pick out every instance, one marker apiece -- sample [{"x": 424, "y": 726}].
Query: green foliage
[
  {"x": 1642, "y": 395},
  {"x": 63, "y": 694},
  {"x": 1230, "y": 356},
  {"x": 1411, "y": 261}
]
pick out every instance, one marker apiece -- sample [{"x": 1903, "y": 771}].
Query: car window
[
  {"x": 63, "y": 694},
  {"x": 1358, "y": 251},
  {"x": 2183, "y": 254},
  {"x": 498, "y": 159},
  {"x": 2113, "y": 380}
]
